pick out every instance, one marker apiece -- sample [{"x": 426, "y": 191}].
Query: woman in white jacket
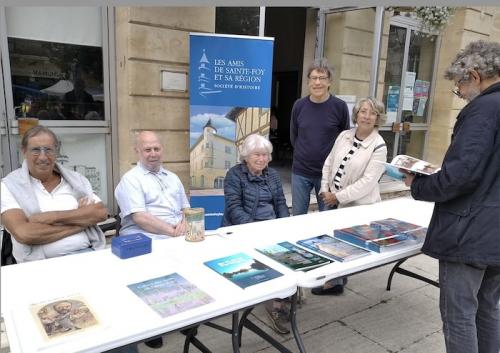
[{"x": 351, "y": 171}]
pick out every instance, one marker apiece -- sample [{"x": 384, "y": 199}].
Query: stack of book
[{"x": 383, "y": 235}]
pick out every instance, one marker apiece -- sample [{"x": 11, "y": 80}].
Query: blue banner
[{"x": 230, "y": 70}]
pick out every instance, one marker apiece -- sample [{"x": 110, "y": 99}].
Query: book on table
[
  {"x": 332, "y": 248},
  {"x": 374, "y": 237},
  {"x": 412, "y": 231},
  {"x": 64, "y": 316},
  {"x": 170, "y": 294},
  {"x": 410, "y": 164},
  {"x": 381, "y": 236},
  {"x": 243, "y": 270},
  {"x": 294, "y": 257}
]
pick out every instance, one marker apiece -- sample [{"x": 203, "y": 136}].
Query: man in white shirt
[
  {"x": 151, "y": 198},
  {"x": 49, "y": 210}
]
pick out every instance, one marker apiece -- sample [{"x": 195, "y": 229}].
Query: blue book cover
[
  {"x": 169, "y": 295},
  {"x": 333, "y": 248},
  {"x": 243, "y": 270}
]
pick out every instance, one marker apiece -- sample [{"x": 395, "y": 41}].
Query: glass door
[{"x": 407, "y": 87}]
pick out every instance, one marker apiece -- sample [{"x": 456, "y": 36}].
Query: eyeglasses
[
  {"x": 320, "y": 78},
  {"x": 456, "y": 90},
  {"x": 36, "y": 151}
]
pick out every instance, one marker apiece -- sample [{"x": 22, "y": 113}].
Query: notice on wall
[
  {"x": 408, "y": 92},
  {"x": 392, "y": 103}
]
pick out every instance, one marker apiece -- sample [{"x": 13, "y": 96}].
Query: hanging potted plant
[{"x": 433, "y": 18}]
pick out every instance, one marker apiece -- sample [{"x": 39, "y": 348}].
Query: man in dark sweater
[{"x": 315, "y": 124}]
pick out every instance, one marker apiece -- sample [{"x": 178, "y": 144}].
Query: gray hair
[
  {"x": 321, "y": 65},
  {"x": 377, "y": 106},
  {"x": 253, "y": 143},
  {"x": 37, "y": 130},
  {"x": 481, "y": 56}
]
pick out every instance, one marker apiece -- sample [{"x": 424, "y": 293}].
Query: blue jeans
[
  {"x": 301, "y": 193},
  {"x": 470, "y": 307}
]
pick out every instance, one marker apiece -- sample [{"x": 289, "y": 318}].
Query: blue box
[{"x": 125, "y": 246}]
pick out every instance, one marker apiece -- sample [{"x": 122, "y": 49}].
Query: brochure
[{"x": 411, "y": 164}]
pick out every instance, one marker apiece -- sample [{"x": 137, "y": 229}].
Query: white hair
[{"x": 254, "y": 143}]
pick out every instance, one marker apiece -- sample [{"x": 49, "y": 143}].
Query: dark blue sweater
[
  {"x": 314, "y": 127},
  {"x": 241, "y": 195}
]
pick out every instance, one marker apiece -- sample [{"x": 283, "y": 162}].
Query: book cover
[
  {"x": 293, "y": 256},
  {"x": 171, "y": 294},
  {"x": 333, "y": 248},
  {"x": 243, "y": 270},
  {"x": 417, "y": 235},
  {"x": 64, "y": 316},
  {"x": 373, "y": 237},
  {"x": 410, "y": 164},
  {"x": 396, "y": 225},
  {"x": 411, "y": 231}
]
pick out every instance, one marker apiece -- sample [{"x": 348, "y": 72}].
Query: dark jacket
[
  {"x": 465, "y": 225},
  {"x": 242, "y": 195}
]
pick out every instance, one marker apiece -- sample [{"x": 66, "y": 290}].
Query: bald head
[{"x": 149, "y": 150}]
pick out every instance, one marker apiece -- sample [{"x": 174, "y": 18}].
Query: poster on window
[{"x": 230, "y": 95}]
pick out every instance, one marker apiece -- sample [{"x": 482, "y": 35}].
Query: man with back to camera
[
  {"x": 49, "y": 210},
  {"x": 464, "y": 232},
  {"x": 315, "y": 124}
]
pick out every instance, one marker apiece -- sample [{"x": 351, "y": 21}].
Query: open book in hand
[{"x": 411, "y": 164}]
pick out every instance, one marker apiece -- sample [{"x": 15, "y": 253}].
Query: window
[
  {"x": 228, "y": 149},
  {"x": 56, "y": 71},
  {"x": 237, "y": 20},
  {"x": 219, "y": 182},
  {"x": 227, "y": 164}
]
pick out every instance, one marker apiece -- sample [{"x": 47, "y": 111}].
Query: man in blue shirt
[{"x": 315, "y": 124}]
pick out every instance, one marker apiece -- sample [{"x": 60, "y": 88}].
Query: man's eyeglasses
[
  {"x": 320, "y": 78},
  {"x": 36, "y": 151},
  {"x": 456, "y": 90}
]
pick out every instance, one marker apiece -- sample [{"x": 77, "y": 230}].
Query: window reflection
[{"x": 56, "y": 81}]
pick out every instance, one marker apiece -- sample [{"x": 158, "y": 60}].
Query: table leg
[
  {"x": 235, "y": 336},
  {"x": 293, "y": 323}
]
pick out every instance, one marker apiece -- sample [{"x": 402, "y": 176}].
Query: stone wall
[
  {"x": 149, "y": 40},
  {"x": 467, "y": 24}
]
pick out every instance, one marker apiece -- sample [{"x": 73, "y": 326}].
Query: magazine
[
  {"x": 243, "y": 270},
  {"x": 64, "y": 316},
  {"x": 293, "y": 256},
  {"x": 411, "y": 164},
  {"x": 333, "y": 248},
  {"x": 374, "y": 237},
  {"x": 171, "y": 294}
]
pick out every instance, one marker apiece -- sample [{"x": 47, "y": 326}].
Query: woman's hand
[{"x": 328, "y": 198}]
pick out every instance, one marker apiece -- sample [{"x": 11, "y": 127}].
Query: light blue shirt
[{"x": 160, "y": 194}]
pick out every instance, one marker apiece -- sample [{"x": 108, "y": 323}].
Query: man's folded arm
[
  {"x": 33, "y": 233},
  {"x": 83, "y": 216}
]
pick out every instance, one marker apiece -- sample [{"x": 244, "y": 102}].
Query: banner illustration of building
[{"x": 230, "y": 95}]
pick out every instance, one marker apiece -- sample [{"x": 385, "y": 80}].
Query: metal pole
[{"x": 377, "y": 41}]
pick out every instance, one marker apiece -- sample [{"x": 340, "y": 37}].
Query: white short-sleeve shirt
[
  {"x": 160, "y": 194},
  {"x": 62, "y": 198}
]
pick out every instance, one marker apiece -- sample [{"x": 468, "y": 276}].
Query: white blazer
[{"x": 359, "y": 185}]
